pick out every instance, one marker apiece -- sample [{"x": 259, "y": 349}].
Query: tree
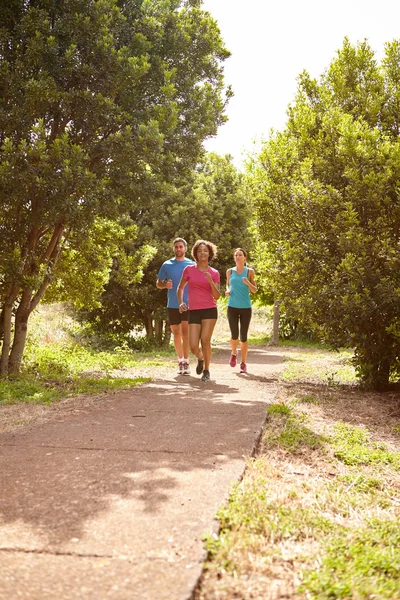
[
  {"x": 101, "y": 103},
  {"x": 326, "y": 191},
  {"x": 211, "y": 204}
]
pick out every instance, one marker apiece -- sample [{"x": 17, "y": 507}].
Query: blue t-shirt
[
  {"x": 173, "y": 269},
  {"x": 240, "y": 293}
]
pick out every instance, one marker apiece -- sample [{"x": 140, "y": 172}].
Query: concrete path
[{"x": 112, "y": 503}]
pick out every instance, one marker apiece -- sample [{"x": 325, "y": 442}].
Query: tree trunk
[
  {"x": 5, "y": 350},
  {"x": 167, "y": 334},
  {"x": 158, "y": 329},
  {"x": 380, "y": 376},
  {"x": 7, "y": 322},
  {"x": 20, "y": 332},
  {"x": 149, "y": 324},
  {"x": 275, "y": 327}
]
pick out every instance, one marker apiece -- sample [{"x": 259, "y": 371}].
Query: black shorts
[
  {"x": 175, "y": 317},
  {"x": 197, "y": 316}
]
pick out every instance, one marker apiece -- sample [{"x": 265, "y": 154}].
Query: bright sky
[{"x": 272, "y": 42}]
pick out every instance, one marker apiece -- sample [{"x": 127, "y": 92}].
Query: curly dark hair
[{"x": 212, "y": 249}]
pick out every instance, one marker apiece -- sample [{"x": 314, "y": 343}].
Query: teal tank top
[{"x": 240, "y": 293}]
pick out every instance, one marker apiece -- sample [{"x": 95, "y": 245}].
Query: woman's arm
[
  {"x": 179, "y": 293},
  {"x": 250, "y": 281},
  {"x": 215, "y": 287},
  {"x": 228, "y": 282}
]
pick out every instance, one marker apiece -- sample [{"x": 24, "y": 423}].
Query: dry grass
[{"x": 301, "y": 493}]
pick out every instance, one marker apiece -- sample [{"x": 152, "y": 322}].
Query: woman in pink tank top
[{"x": 204, "y": 290}]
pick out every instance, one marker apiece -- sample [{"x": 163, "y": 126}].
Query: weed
[
  {"x": 353, "y": 446},
  {"x": 289, "y": 430},
  {"x": 309, "y": 399},
  {"x": 363, "y": 563},
  {"x": 46, "y": 392},
  {"x": 279, "y": 409}
]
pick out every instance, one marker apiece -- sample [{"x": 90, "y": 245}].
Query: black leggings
[{"x": 236, "y": 315}]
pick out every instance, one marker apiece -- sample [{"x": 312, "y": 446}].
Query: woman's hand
[{"x": 183, "y": 307}]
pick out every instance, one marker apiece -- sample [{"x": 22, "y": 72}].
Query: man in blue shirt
[{"x": 168, "y": 278}]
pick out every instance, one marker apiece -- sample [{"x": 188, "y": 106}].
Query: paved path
[{"x": 112, "y": 503}]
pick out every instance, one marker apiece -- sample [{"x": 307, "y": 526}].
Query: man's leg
[
  {"x": 185, "y": 338},
  {"x": 177, "y": 333}
]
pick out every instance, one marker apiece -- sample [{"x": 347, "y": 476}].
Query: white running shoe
[{"x": 186, "y": 368}]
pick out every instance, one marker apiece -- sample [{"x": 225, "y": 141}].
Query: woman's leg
[
  {"x": 244, "y": 348},
  {"x": 233, "y": 320},
  {"x": 207, "y": 328},
  {"x": 194, "y": 340},
  {"x": 245, "y": 318}
]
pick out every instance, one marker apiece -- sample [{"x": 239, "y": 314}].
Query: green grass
[
  {"x": 290, "y": 430},
  {"x": 60, "y": 369},
  {"x": 329, "y": 368},
  {"x": 353, "y": 446},
  {"x": 341, "y": 532},
  {"x": 54, "y": 360},
  {"x": 45, "y": 392},
  {"x": 360, "y": 563}
]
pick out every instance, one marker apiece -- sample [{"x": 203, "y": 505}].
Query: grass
[
  {"x": 55, "y": 366},
  {"x": 46, "y": 392},
  {"x": 332, "y": 368},
  {"x": 317, "y": 513}
]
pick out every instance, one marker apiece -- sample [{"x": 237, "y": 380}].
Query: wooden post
[{"x": 275, "y": 328}]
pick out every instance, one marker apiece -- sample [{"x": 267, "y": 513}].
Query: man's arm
[{"x": 164, "y": 284}]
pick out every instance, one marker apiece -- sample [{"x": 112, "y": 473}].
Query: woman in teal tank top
[{"x": 240, "y": 282}]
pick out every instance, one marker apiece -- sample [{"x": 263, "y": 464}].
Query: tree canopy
[
  {"x": 326, "y": 192},
  {"x": 102, "y": 103},
  {"x": 210, "y": 204}
]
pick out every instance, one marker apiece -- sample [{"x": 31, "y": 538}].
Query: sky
[{"x": 272, "y": 43}]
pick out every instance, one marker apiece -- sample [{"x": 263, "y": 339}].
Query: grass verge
[{"x": 317, "y": 514}]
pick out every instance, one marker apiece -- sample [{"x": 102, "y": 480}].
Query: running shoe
[
  {"x": 206, "y": 375},
  {"x": 186, "y": 368},
  {"x": 199, "y": 368},
  {"x": 243, "y": 368},
  {"x": 232, "y": 360},
  {"x": 180, "y": 367}
]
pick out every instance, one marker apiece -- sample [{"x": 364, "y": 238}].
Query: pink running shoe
[
  {"x": 243, "y": 368},
  {"x": 232, "y": 360}
]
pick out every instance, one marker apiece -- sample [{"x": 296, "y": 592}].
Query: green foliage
[
  {"x": 334, "y": 529},
  {"x": 46, "y": 392},
  {"x": 290, "y": 430},
  {"x": 103, "y": 106},
  {"x": 353, "y": 446},
  {"x": 209, "y": 205},
  {"x": 325, "y": 191},
  {"x": 363, "y": 563}
]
